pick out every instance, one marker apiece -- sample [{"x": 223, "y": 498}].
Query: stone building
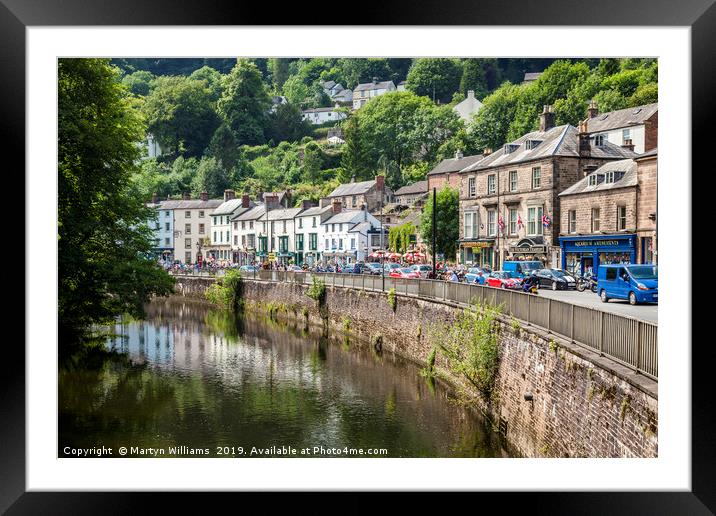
[
  {"x": 192, "y": 226},
  {"x": 366, "y": 91},
  {"x": 447, "y": 172},
  {"x": 634, "y": 128},
  {"x": 408, "y": 195},
  {"x": 353, "y": 195},
  {"x": 646, "y": 210},
  {"x": 509, "y": 207}
]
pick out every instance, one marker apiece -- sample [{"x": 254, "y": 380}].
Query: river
[{"x": 190, "y": 380}]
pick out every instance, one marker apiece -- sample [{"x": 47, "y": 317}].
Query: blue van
[
  {"x": 637, "y": 283},
  {"x": 520, "y": 268}
]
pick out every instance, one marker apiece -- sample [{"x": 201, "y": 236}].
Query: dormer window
[
  {"x": 599, "y": 140},
  {"x": 510, "y": 148},
  {"x": 609, "y": 177},
  {"x": 531, "y": 144},
  {"x": 593, "y": 180}
]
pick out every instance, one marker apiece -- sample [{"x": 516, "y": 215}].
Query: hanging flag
[
  {"x": 501, "y": 223},
  {"x": 519, "y": 222},
  {"x": 546, "y": 221}
]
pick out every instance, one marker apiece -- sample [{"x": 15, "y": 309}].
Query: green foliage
[
  {"x": 180, "y": 114},
  {"x": 103, "y": 238},
  {"x": 624, "y": 407},
  {"x": 312, "y": 163},
  {"x": 392, "y": 299},
  {"x": 244, "y": 103},
  {"x": 278, "y": 68},
  {"x": 470, "y": 345},
  {"x": 346, "y": 324},
  {"x": 399, "y": 237},
  {"x": 436, "y": 78},
  {"x": 226, "y": 290},
  {"x": 429, "y": 370},
  {"x": 210, "y": 177},
  {"x": 286, "y": 123},
  {"x": 317, "y": 291},
  {"x": 139, "y": 82},
  {"x": 447, "y": 213},
  {"x": 354, "y": 162}
]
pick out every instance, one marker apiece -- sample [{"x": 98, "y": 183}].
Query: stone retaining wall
[{"x": 582, "y": 405}]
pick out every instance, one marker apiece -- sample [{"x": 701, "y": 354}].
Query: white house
[
  {"x": 152, "y": 148},
  {"x": 162, "y": 226},
  {"x": 635, "y": 128},
  {"x": 246, "y": 230},
  {"x": 220, "y": 247},
  {"x": 366, "y": 91},
  {"x": 331, "y": 88},
  {"x": 192, "y": 221},
  {"x": 343, "y": 97},
  {"x": 319, "y": 116},
  {"x": 308, "y": 232},
  {"x": 468, "y": 107},
  {"x": 344, "y": 238}
]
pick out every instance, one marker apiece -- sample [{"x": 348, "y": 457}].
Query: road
[{"x": 647, "y": 312}]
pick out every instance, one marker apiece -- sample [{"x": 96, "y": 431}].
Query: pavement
[{"x": 646, "y": 312}]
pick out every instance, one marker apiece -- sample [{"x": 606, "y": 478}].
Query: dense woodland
[{"x": 214, "y": 117}]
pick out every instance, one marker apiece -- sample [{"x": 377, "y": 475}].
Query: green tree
[
  {"x": 436, "y": 78},
  {"x": 244, "y": 104},
  {"x": 211, "y": 177},
  {"x": 312, "y": 163},
  {"x": 354, "y": 163},
  {"x": 286, "y": 124},
  {"x": 139, "y": 82},
  {"x": 295, "y": 91},
  {"x": 103, "y": 238},
  {"x": 492, "y": 123},
  {"x": 278, "y": 67},
  {"x": 447, "y": 232},
  {"x": 212, "y": 78},
  {"x": 473, "y": 78},
  {"x": 399, "y": 237},
  {"x": 180, "y": 114}
]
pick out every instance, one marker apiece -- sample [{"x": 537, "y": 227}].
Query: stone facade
[
  {"x": 607, "y": 202},
  {"x": 582, "y": 405},
  {"x": 439, "y": 181},
  {"x": 646, "y": 208}
]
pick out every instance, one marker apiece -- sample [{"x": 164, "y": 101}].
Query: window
[
  {"x": 353, "y": 243},
  {"x": 166, "y": 241},
  {"x": 471, "y": 186},
  {"x": 236, "y": 239},
  {"x": 314, "y": 222},
  {"x": 216, "y": 221},
  {"x": 599, "y": 140},
  {"x": 166, "y": 226},
  {"x": 221, "y": 236},
  {"x": 531, "y": 144},
  {"x": 469, "y": 218},
  {"x": 273, "y": 226},
  {"x": 187, "y": 257},
  {"x": 340, "y": 228},
  {"x": 621, "y": 218},
  {"x": 327, "y": 244},
  {"x": 300, "y": 223},
  {"x": 354, "y": 201},
  {"x": 333, "y": 228},
  {"x": 592, "y": 180},
  {"x": 534, "y": 220},
  {"x": 609, "y": 177},
  {"x": 340, "y": 243},
  {"x": 595, "y": 220},
  {"x": 214, "y": 236},
  {"x": 250, "y": 240},
  {"x": 201, "y": 214},
  {"x": 284, "y": 226},
  {"x": 251, "y": 225},
  {"x": 536, "y": 177},
  {"x": 166, "y": 213},
  {"x": 201, "y": 229},
  {"x": 626, "y": 135},
  {"x": 187, "y": 229},
  {"x": 512, "y": 229},
  {"x": 513, "y": 181},
  {"x": 611, "y": 273},
  {"x": 313, "y": 241},
  {"x": 491, "y": 184},
  {"x": 187, "y": 214},
  {"x": 572, "y": 221},
  {"x": 236, "y": 226},
  {"x": 491, "y": 219},
  {"x": 228, "y": 237},
  {"x": 243, "y": 224},
  {"x": 187, "y": 243},
  {"x": 299, "y": 242}
]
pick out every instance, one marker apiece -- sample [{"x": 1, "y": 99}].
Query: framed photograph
[{"x": 415, "y": 256}]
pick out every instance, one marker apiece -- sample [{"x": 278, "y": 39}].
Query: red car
[
  {"x": 503, "y": 279},
  {"x": 405, "y": 272}
]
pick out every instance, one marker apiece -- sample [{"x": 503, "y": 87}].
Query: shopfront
[
  {"x": 477, "y": 253},
  {"x": 529, "y": 249},
  {"x": 587, "y": 253}
]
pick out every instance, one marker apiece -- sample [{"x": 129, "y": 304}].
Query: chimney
[
  {"x": 229, "y": 195},
  {"x": 365, "y": 212},
  {"x": 245, "y": 201},
  {"x": 546, "y": 119},
  {"x": 307, "y": 203},
  {"x": 186, "y": 196},
  {"x": 271, "y": 200},
  {"x": 155, "y": 198},
  {"x": 588, "y": 170},
  {"x": 380, "y": 182},
  {"x": 592, "y": 110},
  {"x": 585, "y": 147},
  {"x": 487, "y": 151},
  {"x": 458, "y": 154},
  {"x": 337, "y": 206},
  {"x": 204, "y": 196},
  {"x": 628, "y": 144},
  {"x": 471, "y": 94}
]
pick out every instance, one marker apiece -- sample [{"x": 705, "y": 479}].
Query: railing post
[
  {"x": 571, "y": 326},
  {"x": 638, "y": 345},
  {"x": 529, "y": 310},
  {"x": 601, "y": 333},
  {"x": 549, "y": 313}
]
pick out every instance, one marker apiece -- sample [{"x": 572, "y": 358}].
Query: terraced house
[
  {"x": 308, "y": 231},
  {"x": 221, "y": 225},
  {"x": 192, "y": 223},
  {"x": 509, "y": 205}
]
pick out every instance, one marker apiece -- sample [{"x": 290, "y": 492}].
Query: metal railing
[{"x": 627, "y": 340}]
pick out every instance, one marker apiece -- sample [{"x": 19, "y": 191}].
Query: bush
[
  {"x": 392, "y": 299},
  {"x": 226, "y": 291},
  {"x": 317, "y": 291}
]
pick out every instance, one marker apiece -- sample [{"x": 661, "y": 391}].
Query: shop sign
[
  {"x": 598, "y": 243},
  {"x": 531, "y": 249},
  {"x": 477, "y": 244}
]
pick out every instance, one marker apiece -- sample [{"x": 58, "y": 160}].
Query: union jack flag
[
  {"x": 546, "y": 221},
  {"x": 519, "y": 222},
  {"x": 501, "y": 223}
]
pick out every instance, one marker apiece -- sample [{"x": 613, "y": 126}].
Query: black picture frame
[{"x": 16, "y": 15}]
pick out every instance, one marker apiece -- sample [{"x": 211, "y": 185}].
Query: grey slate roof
[
  {"x": 622, "y": 118},
  {"x": 628, "y": 166},
  {"x": 649, "y": 153},
  {"x": 228, "y": 207},
  {"x": 562, "y": 140},
  {"x": 315, "y": 210},
  {"x": 286, "y": 213},
  {"x": 191, "y": 204},
  {"x": 532, "y": 76},
  {"x": 367, "y": 86},
  {"x": 319, "y": 110},
  {"x": 361, "y": 227},
  {"x": 345, "y": 216},
  {"x": 252, "y": 214},
  {"x": 418, "y": 187},
  {"x": 455, "y": 165},
  {"x": 352, "y": 188}
]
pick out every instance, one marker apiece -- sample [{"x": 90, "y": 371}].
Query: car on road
[
  {"x": 249, "y": 269},
  {"x": 294, "y": 268},
  {"x": 478, "y": 278},
  {"x": 556, "y": 279},
  {"x": 373, "y": 268},
  {"x": 635, "y": 283},
  {"x": 422, "y": 269},
  {"x": 519, "y": 268},
  {"x": 353, "y": 268},
  {"x": 503, "y": 279},
  {"x": 390, "y": 267},
  {"x": 405, "y": 272}
]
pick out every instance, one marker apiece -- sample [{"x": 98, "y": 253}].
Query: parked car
[
  {"x": 422, "y": 269},
  {"x": 556, "y": 279},
  {"x": 405, "y": 272},
  {"x": 251, "y": 269},
  {"x": 353, "y": 268},
  {"x": 478, "y": 278},
  {"x": 484, "y": 270},
  {"x": 519, "y": 268},
  {"x": 389, "y": 267},
  {"x": 373, "y": 268},
  {"x": 636, "y": 283},
  {"x": 503, "y": 279},
  {"x": 294, "y": 268}
]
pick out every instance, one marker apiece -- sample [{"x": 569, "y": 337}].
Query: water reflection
[{"x": 198, "y": 377}]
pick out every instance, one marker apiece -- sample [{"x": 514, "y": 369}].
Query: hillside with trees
[{"x": 219, "y": 126}]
